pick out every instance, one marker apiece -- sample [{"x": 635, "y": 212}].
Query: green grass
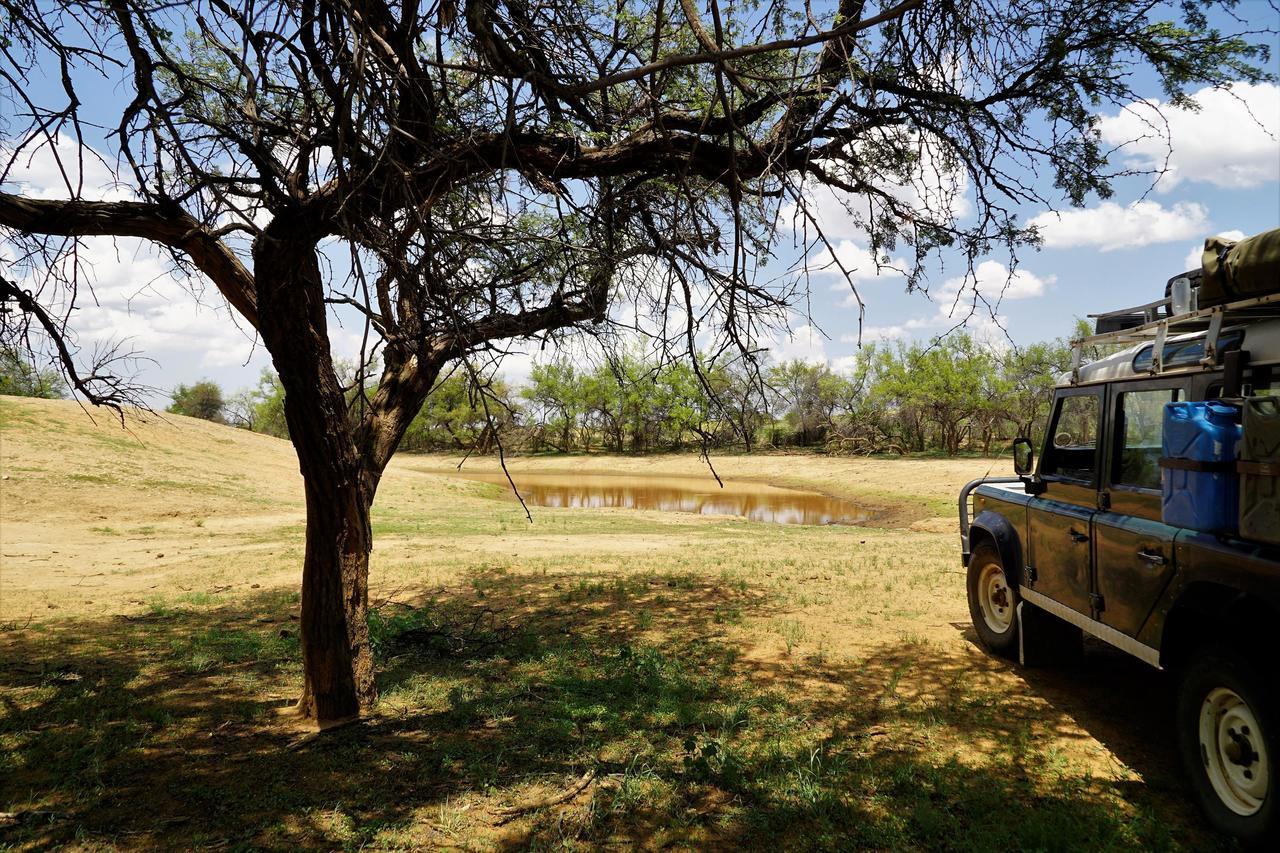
[{"x": 158, "y": 731}]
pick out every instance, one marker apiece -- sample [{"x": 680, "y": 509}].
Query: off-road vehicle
[{"x": 1080, "y": 541}]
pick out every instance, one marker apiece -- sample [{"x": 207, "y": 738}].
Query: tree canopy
[{"x": 199, "y": 400}]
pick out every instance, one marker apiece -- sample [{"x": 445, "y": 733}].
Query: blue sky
[{"x": 1224, "y": 177}]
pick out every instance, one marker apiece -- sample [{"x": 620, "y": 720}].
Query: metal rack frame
[{"x": 1156, "y": 329}]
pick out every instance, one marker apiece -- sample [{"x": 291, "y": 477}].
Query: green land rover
[{"x": 1084, "y": 540}]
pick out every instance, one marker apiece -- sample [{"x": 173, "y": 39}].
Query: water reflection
[{"x": 753, "y": 501}]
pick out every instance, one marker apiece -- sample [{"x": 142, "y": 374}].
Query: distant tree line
[{"x": 951, "y": 396}]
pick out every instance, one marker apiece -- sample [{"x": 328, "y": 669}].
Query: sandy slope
[{"x": 96, "y": 517}]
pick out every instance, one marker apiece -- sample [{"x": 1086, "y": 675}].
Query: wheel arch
[{"x": 995, "y": 528}]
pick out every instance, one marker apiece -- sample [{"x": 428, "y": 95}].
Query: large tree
[
  {"x": 458, "y": 174},
  {"x": 200, "y": 400}
]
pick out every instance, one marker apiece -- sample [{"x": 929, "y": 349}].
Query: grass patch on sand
[{"x": 146, "y": 731}]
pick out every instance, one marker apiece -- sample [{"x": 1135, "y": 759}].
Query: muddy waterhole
[{"x": 702, "y": 496}]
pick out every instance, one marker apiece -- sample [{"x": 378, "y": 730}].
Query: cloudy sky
[{"x": 1223, "y": 176}]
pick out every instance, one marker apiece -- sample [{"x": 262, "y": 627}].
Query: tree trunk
[
  {"x": 336, "y": 656},
  {"x": 337, "y": 659}
]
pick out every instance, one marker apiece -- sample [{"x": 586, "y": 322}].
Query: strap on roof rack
[
  {"x": 1157, "y": 349},
  {"x": 1211, "y": 339}
]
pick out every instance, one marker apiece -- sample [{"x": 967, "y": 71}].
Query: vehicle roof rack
[{"x": 1152, "y": 327}]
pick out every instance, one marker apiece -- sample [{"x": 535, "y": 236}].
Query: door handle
[
  {"x": 1078, "y": 537},
  {"x": 1154, "y": 558}
]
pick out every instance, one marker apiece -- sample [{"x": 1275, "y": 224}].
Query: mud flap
[{"x": 1046, "y": 640}]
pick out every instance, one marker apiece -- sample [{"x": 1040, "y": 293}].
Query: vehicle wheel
[
  {"x": 1227, "y": 730},
  {"x": 993, "y": 603}
]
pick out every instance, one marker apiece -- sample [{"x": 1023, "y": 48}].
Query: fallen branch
[
  {"x": 456, "y": 637},
  {"x": 511, "y": 813},
  {"x": 14, "y": 626},
  {"x": 14, "y": 818}
]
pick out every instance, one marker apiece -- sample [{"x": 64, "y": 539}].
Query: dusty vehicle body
[{"x": 1077, "y": 544}]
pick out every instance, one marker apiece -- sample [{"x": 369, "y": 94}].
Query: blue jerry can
[{"x": 1198, "y": 477}]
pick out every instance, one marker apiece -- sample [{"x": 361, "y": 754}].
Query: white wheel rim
[
  {"x": 1234, "y": 752},
  {"x": 995, "y": 599}
]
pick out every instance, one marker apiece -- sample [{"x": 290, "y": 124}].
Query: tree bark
[
  {"x": 337, "y": 659},
  {"x": 338, "y": 670}
]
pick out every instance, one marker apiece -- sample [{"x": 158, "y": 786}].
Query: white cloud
[
  {"x": 516, "y": 367},
  {"x": 972, "y": 300},
  {"x": 1110, "y": 226},
  {"x": 861, "y": 264},
  {"x": 901, "y": 331},
  {"x": 968, "y": 300},
  {"x": 852, "y": 265},
  {"x": 128, "y": 293},
  {"x": 993, "y": 282},
  {"x": 128, "y": 290},
  {"x": 1194, "y": 257},
  {"x": 804, "y": 343},
  {"x": 56, "y": 169},
  {"x": 936, "y": 190},
  {"x": 846, "y": 364},
  {"x": 1231, "y": 142}
]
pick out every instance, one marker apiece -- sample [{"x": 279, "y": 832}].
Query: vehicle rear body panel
[{"x": 1205, "y": 560}]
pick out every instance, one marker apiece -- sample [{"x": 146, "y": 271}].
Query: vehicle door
[
  {"x": 1133, "y": 548},
  {"x": 1059, "y": 520}
]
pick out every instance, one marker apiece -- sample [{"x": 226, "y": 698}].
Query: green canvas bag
[{"x": 1240, "y": 270}]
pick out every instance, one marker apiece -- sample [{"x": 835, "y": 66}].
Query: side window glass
[
  {"x": 1137, "y": 456},
  {"x": 1072, "y": 451}
]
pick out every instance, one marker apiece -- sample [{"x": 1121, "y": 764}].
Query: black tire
[
  {"x": 1214, "y": 679},
  {"x": 997, "y": 627}
]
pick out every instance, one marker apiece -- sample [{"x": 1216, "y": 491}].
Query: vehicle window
[
  {"x": 1137, "y": 456},
  {"x": 1183, "y": 353},
  {"x": 1072, "y": 451}
]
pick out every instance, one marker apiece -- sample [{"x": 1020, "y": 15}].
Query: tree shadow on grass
[
  {"x": 160, "y": 732},
  {"x": 1121, "y": 702}
]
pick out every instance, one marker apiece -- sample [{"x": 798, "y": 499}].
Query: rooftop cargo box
[{"x": 1241, "y": 269}]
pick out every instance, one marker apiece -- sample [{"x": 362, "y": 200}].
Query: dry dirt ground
[{"x": 594, "y": 678}]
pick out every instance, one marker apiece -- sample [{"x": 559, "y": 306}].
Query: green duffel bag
[{"x": 1240, "y": 270}]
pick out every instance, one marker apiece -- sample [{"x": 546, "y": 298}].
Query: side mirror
[{"x": 1024, "y": 457}]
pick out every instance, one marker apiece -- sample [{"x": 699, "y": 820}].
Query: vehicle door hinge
[
  {"x": 1098, "y": 603},
  {"x": 1029, "y": 575}
]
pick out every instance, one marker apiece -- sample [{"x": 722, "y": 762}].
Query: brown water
[{"x": 700, "y": 495}]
